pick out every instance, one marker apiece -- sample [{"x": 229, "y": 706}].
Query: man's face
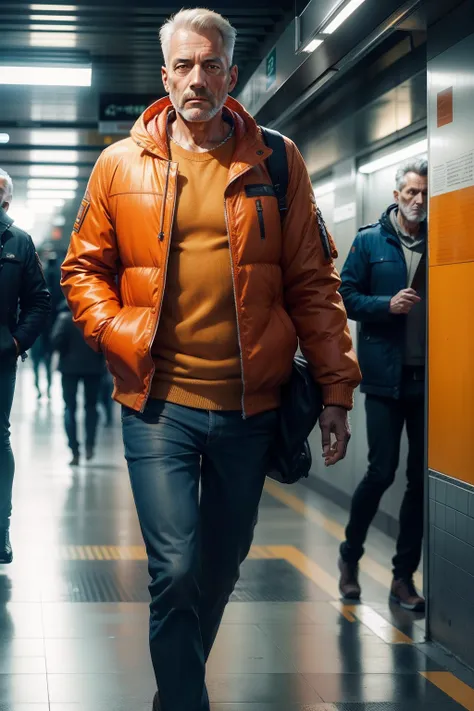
[
  {"x": 198, "y": 78},
  {"x": 412, "y": 198},
  {"x": 3, "y": 187}
]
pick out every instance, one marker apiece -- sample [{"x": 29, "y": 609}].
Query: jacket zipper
[
  {"x": 161, "y": 234},
  {"x": 261, "y": 220},
  {"x": 239, "y": 337},
  {"x": 165, "y": 273},
  {"x": 232, "y": 265}
]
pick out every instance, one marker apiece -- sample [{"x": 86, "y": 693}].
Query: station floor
[{"x": 74, "y": 603}]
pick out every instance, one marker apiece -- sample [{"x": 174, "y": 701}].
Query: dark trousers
[
  {"x": 7, "y": 463},
  {"x": 385, "y": 420},
  {"x": 70, "y": 385},
  {"x": 41, "y": 353},
  {"x": 195, "y": 541}
]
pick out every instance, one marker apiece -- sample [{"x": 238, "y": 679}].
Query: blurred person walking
[
  {"x": 78, "y": 363},
  {"x": 25, "y": 305}
]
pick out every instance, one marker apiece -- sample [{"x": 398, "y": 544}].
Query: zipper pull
[{"x": 261, "y": 220}]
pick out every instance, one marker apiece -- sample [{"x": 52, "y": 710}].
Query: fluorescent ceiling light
[
  {"x": 52, "y": 28},
  {"x": 312, "y": 45},
  {"x": 46, "y": 184},
  {"x": 46, "y": 76},
  {"x": 410, "y": 151},
  {"x": 37, "y": 204},
  {"x": 323, "y": 189},
  {"x": 54, "y": 138},
  {"x": 48, "y": 8},
  {"x": 54, "y": 171},
  {"x": 52, "y": 39},
  {"x": 342, "y": 16},
  {"x": 54, "y": 18},
  {"x": 40, "y": 194},
  {"x": 39, "y": 156},
  {"x": 4, "y": 137}
]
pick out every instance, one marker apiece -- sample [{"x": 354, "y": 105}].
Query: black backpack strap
[{"x": 277, "y": 165}]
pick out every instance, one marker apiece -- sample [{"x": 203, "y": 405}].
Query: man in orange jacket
[{"x": 180, "y": 272}]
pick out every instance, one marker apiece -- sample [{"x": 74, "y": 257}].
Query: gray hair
[
  {"x": 6, "y": 187},
  {"x": 198, "y": 19},
  {"x": 418, "y": 166}
]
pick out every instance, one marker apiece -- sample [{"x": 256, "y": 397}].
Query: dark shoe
[
  {"x": 349, "y": 580},
  {"x": 156, "y": 702},
  {"x": 75, "y": 460},
  {"x": 404, "y": 593},
  {"x": 6, "y": 553},
  {"x": 89, "y": 453}
]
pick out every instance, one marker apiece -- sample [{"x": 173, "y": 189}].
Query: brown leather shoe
[
  {"x": 404, "y": 593},
  {"x": 156, "y": 702},
  {"x": 349, "y": 580}
]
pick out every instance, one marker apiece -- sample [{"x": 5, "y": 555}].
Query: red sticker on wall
[{"x": 445, "y": 107}]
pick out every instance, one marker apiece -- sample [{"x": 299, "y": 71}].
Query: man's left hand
[{"x": 334, "y": 421}]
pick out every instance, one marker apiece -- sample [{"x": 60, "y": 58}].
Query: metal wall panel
[{"x": 451, "y": 414}]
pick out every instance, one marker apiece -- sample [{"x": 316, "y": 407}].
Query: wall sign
[
  {"x": 271, "y": 68},
  {"x": 118, "y": 112}
]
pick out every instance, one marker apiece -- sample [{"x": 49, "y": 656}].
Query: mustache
[{"x": 188, "y": 96}]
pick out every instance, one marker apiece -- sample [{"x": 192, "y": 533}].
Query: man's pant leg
[
  {"x": 69, "y": 385},
  {"x": 233, "y": 475},
  {"x": 92, "y": 385},
  {"x": 7, "y": 462},
  {"x": 163, "y": 450},
  {"x": 410, "y": 539},
  {"x": 385, "y": 419}
]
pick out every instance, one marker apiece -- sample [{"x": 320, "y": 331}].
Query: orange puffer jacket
[{"x": 286, "y": 287}]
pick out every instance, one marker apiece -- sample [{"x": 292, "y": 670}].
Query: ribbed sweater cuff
[{"x": 338, "y": 394}]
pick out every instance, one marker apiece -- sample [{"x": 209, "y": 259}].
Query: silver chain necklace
[{"x": 206, "y": 150}]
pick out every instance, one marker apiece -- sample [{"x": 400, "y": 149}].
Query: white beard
[
  {"x": 412, "y": 214},
  {"x": 195, "y": 115}
]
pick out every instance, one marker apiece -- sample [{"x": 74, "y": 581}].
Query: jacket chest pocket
[
  {"x": 10, "y": 267},
  {"x": 387, "y": 272},
  {"x": 265, "y": 206}
]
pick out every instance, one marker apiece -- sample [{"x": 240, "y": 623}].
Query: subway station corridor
[{"x": 74, "y": 603}]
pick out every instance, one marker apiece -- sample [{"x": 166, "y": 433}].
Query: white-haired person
[
  {"x": 180, "y": 272},
  {"x": 24, "y": 306}
]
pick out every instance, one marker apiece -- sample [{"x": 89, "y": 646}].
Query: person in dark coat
[
  {"x": 41, "y": 352},
  {"x": 77, "y": 362},
  {"x": 384, "y": 289},
  {"x": 24, "y": 307}
]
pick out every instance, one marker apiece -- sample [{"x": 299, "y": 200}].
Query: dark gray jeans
[
  {"x": 195, "y": 542},
  {"x": 7, "y": 463}
]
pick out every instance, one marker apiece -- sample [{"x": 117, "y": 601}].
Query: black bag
[{"x": 301, "y": 396}]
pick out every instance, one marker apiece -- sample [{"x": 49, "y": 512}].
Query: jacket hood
[
  {"x": 246, "y": 130},
  {"x": 386, "y": 221}
]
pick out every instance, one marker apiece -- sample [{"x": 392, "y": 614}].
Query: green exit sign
[{"x": 271, "y": 68}]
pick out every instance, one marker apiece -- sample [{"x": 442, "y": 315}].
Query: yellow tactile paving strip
[
  {"x": 377, "y": 572},
  {"x": 102, "y": 553},
  {"x": 453, "y": 687},
  {"x": 375, "y": 622}
]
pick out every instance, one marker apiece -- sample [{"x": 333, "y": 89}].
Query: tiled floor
[{"x": 74, "y": 605}]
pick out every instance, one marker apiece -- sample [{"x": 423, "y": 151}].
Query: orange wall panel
[
  {"x": 451, "y": 367},
  {"x": 451, "y": 227}
]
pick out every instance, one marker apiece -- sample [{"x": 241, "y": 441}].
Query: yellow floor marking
[
  {"x": 375, "y": 570},
  {"x": 133, "y": 553},
  {"x": 453, "y": 687},
  {"x": 375, "y": 622},
  {"x": 307, "y": 567}
]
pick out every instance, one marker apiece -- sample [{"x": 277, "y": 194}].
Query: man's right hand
[{"x": 404, "y": 301}]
